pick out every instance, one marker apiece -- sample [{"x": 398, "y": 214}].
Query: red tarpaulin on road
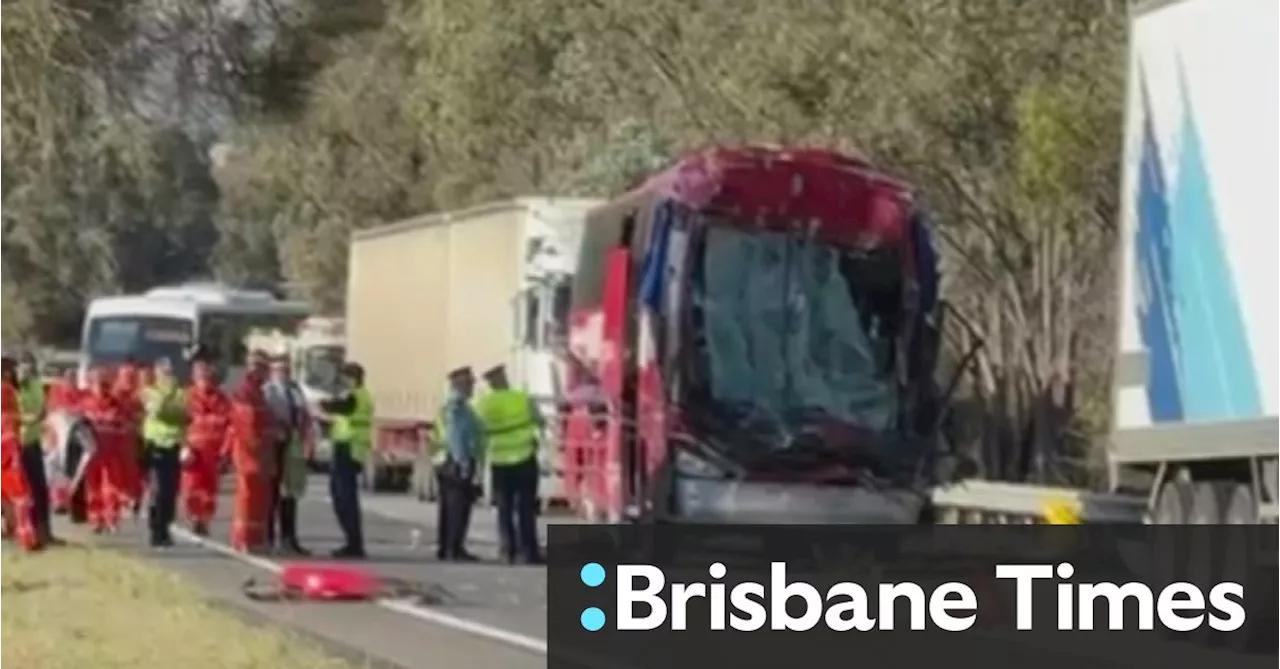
[{"x": 315, "y": 581}]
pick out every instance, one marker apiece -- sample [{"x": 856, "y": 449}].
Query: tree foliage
[{"x": 330, "y": 116}]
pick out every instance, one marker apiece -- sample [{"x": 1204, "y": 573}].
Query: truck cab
[{"x": 753, "y": 338}]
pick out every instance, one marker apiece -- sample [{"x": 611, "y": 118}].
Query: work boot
[
  {"x": 349, "y": 553},
  {"x": 48, "y": 539},
  {"x": 533, "y": 559}
]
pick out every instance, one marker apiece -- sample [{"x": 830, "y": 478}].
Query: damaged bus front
[{"x": 753, "y": 341}]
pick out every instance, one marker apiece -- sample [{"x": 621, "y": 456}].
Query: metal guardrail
[{"x": 993, "y": 502}]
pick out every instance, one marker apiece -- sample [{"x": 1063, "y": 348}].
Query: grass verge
[{"x": 82, "y": 608}]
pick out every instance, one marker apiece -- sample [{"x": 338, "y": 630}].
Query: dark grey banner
[{"x": 635, "y": 597}]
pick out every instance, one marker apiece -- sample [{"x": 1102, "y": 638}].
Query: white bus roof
[{"x": 189, "y": 300}]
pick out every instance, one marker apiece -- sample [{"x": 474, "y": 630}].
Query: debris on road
[{"x": 342, "y": 583}]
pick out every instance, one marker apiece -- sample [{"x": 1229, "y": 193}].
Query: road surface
[
  {"x": 494, "y": 619},
  {"x": 494, "y": 616}
]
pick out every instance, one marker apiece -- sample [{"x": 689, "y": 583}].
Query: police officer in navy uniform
[
  {"x": 513, "y": 426},
  {"x": 458, "y": 462}
]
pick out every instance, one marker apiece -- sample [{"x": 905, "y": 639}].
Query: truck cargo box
[{"x": 436, "y": 292}]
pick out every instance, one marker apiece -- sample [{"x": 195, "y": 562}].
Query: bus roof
[
  {"x": 845, "y": 193},
  {"x": 187, "y": 301}
]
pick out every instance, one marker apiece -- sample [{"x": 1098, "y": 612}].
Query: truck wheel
[
  {"x": 1168, "y": 545},
  {"x": 403, "y": 479},
  {"x": 1238, "y": 506},
  {"x": 1206, "y": 503},
  {"x": 1271, "y": 479},
  {"x": 1173, "y": 504},
  {"x": 1239, "y": 552},
  {"x": 1205, "y": 557}
]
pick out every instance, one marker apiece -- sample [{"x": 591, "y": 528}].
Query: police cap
[
  {"x": 495, "y": 372},
  {"x": 460, "y": 373}
]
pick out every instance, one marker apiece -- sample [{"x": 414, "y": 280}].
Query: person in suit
[{"x": 292, "y": 443}]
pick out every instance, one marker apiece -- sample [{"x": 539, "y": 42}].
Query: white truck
[
  {"x": 316, "y": 351},
  {"x": 480, "y": 287},
  {"x": 1195, "y": 410}
]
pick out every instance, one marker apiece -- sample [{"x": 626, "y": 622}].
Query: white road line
[{"x": 472, "y": 627}]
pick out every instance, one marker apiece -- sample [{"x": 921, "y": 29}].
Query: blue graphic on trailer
[
  {"x": 1200, "y": 363},
  {"x": 1154, "y": 266}
]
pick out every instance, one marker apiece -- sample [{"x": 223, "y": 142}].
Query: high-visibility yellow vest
[
  {"x": 31, "y": 410},
  {"x": 166, "y": 414},
  {"x": 356, "y": 429},
  {"x": 511, "y": 434}
]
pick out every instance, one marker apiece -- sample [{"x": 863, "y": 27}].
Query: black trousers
[
  {"x": 281, "y": 508},
  {"x": 41, "y": 508},
  {"x": 515, "y": 489},
  {"x": 144, "y": 462},
  {"x": 456, "y": 495},
  {"x": 344, "y": 490},
  {"x": 165, "y": 465}
]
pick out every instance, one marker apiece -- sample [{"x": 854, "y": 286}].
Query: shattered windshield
[{"x": 792, "y": 330}]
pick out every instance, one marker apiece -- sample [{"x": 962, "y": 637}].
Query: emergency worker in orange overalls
[
  {"x": 250, "y": 446},
  {"x": 15, "y": 492},
  {"x": 110, "y": 421},
  {"x": 131, "y": 469},
  {"x": 64, "y": 395},
  {"x": 210, "y": 415}
]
